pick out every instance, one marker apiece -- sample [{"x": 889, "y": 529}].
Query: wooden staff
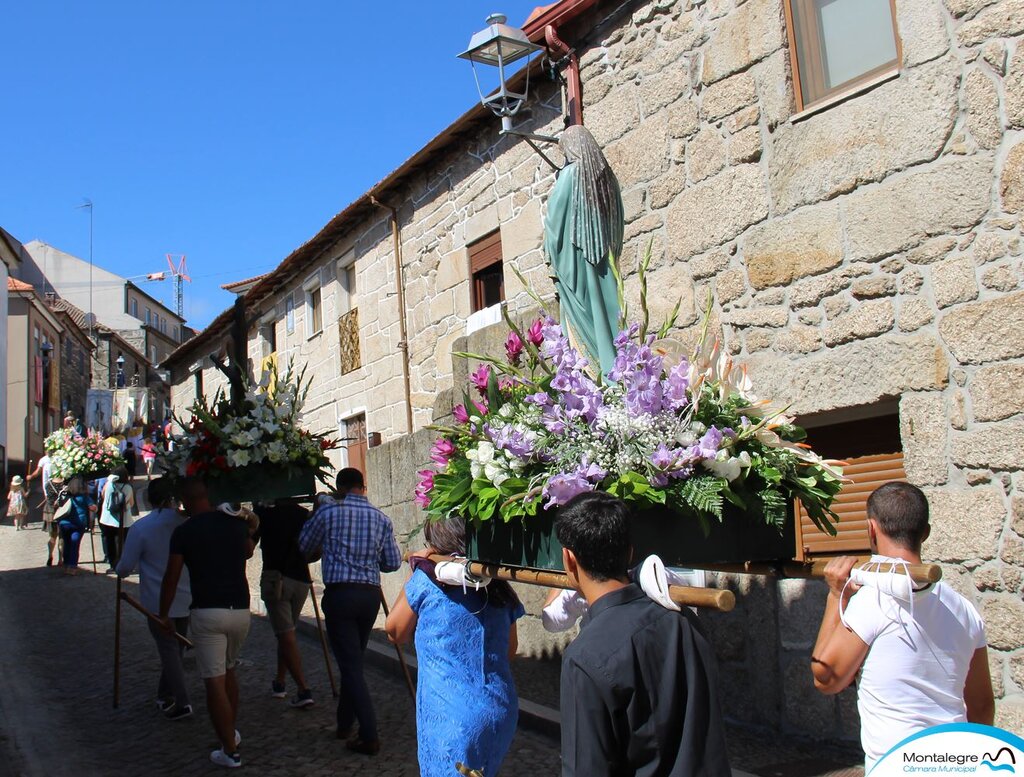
[
  {"x": 323, "y": 641},
  {"x": 398, "y": 649},
  {"x": 919, "y": 573},
  {"x": 685, "y": 596},
  {"x": 185, "y": 641},
  {"x": 92, "y": 545},
  {"x": 117, "y": 646}
]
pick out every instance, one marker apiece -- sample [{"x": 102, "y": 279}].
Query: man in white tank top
[{"x": 921, "y": 651}]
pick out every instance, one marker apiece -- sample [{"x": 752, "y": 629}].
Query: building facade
[
  {"x": 34, "y": 336},
  {"x": 847, "y": 192}
]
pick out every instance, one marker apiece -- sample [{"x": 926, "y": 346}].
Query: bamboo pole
[
  {"x": 185, "y": 641},
  {"x": 686, "y": 596},
  {"x": 919, "y": 573},
  {"x": 398, "y": 649},
  {"x": 323, "y": 642}
]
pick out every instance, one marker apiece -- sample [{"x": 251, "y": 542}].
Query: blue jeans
[
  {"x": 350, "y": 610},
  {"x": 72, "y": 537}
]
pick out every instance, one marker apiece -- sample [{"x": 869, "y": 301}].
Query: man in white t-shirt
[{"x": 921, "y": 653}]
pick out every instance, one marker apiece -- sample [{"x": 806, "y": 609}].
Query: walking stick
[
  {"x": 398, "y": 649},
  {"x": 185, "y": 641},
  {"x": 92, "y": 544},
  {"x": 323, "y": 641},
  {"x": 117, "y": 646}
]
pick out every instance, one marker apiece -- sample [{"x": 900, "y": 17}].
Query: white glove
[
  {"x": 562, "y": 614},
  {"x": 456, "y": 573},
  {"x": 654, "y": 579}
]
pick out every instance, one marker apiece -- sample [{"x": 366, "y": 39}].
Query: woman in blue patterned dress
[{"x": 466, "y": 703}]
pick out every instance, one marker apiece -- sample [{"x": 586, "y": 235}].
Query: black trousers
[
  {"x": 111, "y": 537},
  {"x": 350, "y": 610}
]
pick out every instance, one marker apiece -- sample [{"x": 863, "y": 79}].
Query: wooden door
[{"x": 355, "y": 432}]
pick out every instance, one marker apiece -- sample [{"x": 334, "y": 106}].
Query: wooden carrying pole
[
  {"x": 323, "y": 642},
  {"x": 919, "y": 573},
  {"x": 686, "y": 596},
  {"x": 185, "y": 641},
  {"x": 117, "y": 646},
  {"x": 398, "y": 650}
]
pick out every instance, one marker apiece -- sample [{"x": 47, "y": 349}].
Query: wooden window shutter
[
  {"x": 485, "y": 252},
  {"x": 873, "y": 454}
]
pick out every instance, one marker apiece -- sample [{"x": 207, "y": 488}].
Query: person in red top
[{"x": 148, "y": 455}]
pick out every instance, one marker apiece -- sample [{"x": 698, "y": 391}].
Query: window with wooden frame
[
  {"x": 314, "y": 305},
  {"x": 873, "y": 453},
  {"x": 487, "y": 271},
  {"x": 837, "y": 46}
]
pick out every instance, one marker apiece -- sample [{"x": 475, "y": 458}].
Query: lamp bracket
[{"x": 533, "y": 140}]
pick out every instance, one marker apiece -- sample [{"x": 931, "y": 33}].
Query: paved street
[
  {"x": 56, "y": 671},
  {"x": 56, "y": 679}
]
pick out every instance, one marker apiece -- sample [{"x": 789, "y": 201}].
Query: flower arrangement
[
  {"x": 72, "y": 454},
  {"x": 226, "y": 445},
  {"x": 659, "y": 430}
]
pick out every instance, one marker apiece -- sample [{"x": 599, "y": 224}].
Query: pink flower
[
  {"x": 461, "y": 416},
  {"x": 442, "y": 452},
  {"x": 481, "y": 406},
  {"x": 481, "y": 378},
  {"x": 424, "y": 487},
  {"x": 535, "y": 334},
  {"x": 513, "y": 348}
]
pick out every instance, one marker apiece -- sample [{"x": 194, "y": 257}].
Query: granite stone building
[{"x": 846, "y": 187}]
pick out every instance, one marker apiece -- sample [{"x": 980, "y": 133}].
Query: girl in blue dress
[{"x": 466, "y": 703}]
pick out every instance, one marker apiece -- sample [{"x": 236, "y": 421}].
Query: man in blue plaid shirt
[{"x": 355, "y": 542}]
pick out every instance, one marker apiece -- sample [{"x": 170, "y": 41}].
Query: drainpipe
[
  {"x": 403, "y": 342},
  {"x": 566, "y": 55}
]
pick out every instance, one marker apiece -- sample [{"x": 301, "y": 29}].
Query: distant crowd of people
[{"x": 639, "y": 684}]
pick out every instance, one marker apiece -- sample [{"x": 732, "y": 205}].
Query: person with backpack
[{"x": 116, "y": 515}]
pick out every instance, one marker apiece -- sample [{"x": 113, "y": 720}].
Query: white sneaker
[
  {"x": 227, "y": 760},
  {"x": 238, "y": 738}
]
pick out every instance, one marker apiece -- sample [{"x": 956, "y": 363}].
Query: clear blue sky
[{"x": 229, "y": 131}]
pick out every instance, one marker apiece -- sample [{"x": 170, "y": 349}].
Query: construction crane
[{"x": 179, "y": 273}]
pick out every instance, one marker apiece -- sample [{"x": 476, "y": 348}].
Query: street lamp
[
  {"x": 499, "y": 45},
  {"x": 120, "y": 370}
]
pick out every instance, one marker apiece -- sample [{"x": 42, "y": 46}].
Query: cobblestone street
[
  {"x": 56, "y": 682},
  {"x": 56, "y": 673}
]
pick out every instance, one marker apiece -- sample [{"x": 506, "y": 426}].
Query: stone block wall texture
[{"x": 866, "y": 253}]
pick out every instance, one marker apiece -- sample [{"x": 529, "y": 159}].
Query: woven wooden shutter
[
  {"x": 485, "y": 252},
  {"x": 873, "y": 454}
]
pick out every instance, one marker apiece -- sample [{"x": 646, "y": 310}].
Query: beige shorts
[
  {"x": 284, "y": 598},
  {"x": 218, "y": 635}
]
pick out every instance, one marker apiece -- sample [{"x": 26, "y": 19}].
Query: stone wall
[{"x": 865, "y": 253}]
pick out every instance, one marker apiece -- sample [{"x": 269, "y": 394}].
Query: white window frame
[
  {"x": 311, "y": 285},
  {"x": 134, "y": 303},
  {"x": 149, "y": 317},
  {"x": 289, "y": 314}
]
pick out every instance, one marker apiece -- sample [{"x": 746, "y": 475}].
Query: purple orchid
[
  {"x": 676, "y": 385},
  {"x": 509, "y": 439},
  {"x": 442, "y": 451},
  {"x": 708, "y": 444},
  {"x": 481, "y": 378},
  {"x": 460, "y": 414},
  {"x": 424, "y": 487},
  {"x": 535, "y": 334},
  {"x": 513, "y": 348}
]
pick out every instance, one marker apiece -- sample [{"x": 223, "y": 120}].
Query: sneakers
[
  {"x": 277, "y": 690},
  {"x": 164, "y": 704},
  {"x": 304, "y": 699},
  {"x": 227, "y": 760},
  {"x": 178, "y": 713}
]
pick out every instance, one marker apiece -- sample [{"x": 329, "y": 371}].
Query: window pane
[
  {"x": 317, "y": 315},
  {"x": 840, "y": 41},
  {"x": 856, "y": 36}
]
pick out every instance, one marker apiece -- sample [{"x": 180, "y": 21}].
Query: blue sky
[{"x": 228, "y": 131}]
